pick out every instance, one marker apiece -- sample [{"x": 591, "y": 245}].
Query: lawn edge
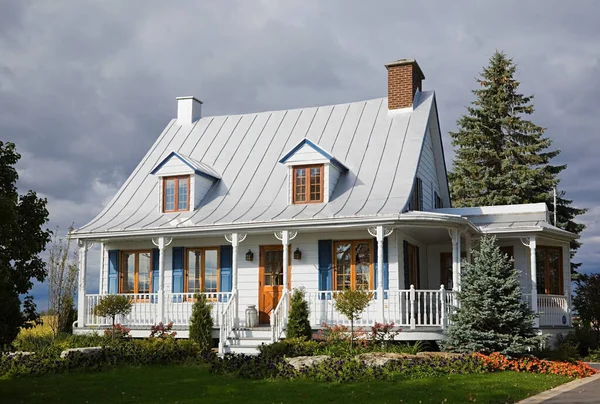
[{"x": 548, "y": 394}]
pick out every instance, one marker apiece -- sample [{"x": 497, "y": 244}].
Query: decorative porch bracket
[
  {"x": 235, "y": 239},
  {"x": 285, "y": 236},
  {"x": 532, "y": 243},
  {"x": 380, "y": 233},
  {"x": 84, "y": 246},
  {"x": 161, "y": 243}
]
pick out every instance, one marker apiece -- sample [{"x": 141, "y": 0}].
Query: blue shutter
[
  {"x": 325, "y": 266},
  {"x": 155, "y": 264},
  {"x": 226, "y": 261},
  {"x": 178, "y": 260},
  {"x": 113, "y": 271},
  {"x": 406, "y": 275}
]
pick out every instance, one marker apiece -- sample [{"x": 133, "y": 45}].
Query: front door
[{"x": 270, "y": 281}]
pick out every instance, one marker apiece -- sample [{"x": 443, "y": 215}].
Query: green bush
[
  {"x": 113, "y": 306},
  {"x": 289, "y": 347},
  {"x": 298, "y": 324},
  {"x": 201, "y": 323},
  {"x": 352, "y": 303}
]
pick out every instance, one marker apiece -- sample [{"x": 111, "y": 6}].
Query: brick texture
[{"x": 403, "y": 81}]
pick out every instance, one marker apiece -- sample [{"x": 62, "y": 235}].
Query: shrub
[
  {"x": 298, "y": 323},
  {"x": 496, "y": 361},
  {"x": 587, "y": 302},
  {"x": 352, "y": 303},
  {"x": 201, "y": 323},
  {"x": 383, "y": 334},
  {"x": 289, "y": 347},
  {"x": 118, "y": 331},
  {"x": 113, "y": 306},
  {"x": 162, "y": 331}
]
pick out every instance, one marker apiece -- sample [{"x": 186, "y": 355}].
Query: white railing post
[
  {"x": 443, "y": 307},
  {"x": 413, "y": 323}
]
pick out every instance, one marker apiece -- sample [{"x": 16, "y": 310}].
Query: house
[{"x": 245, "y": 208}]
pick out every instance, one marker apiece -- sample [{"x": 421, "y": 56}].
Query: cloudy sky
[{"x": 87, "y": 86}]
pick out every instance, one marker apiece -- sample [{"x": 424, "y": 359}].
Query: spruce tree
[
  {"x": 298, "y": 325},
  {"x": 492, "y": 316},
  {"x": 201, "y": 323},
  {"x": 501, "y": 156}
]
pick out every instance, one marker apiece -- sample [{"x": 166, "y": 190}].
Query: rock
[
  {"x": 86, "y": 351},
  {"x": 443, "y": 355},
  {"x": 381, "y": 358},
  {"x": 18, "y": 353},
  {"x": 307, "y": 361}
]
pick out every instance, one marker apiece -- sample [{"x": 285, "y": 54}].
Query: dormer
[
  {"x": 312, "y": 173},
  {"x": 182, "y": 182}
]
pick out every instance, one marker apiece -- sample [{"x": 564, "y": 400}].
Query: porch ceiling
[{"x": 428, "y": 235}]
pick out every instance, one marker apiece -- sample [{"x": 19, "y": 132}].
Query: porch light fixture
[
  {"x": 249, "y": 256},
  {"x": 297, "y": 254}
]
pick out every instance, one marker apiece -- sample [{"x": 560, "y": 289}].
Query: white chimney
[{"x": 189, "y": 109}]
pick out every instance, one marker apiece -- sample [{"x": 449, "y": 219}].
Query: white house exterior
[{"x": 219, "y": 204}]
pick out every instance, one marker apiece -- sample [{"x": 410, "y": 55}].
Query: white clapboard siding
[{"x": 426, "y": 171}]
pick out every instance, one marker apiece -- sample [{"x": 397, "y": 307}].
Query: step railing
[
  {"x": 228, "y": 319},
  {"x": 279, "y": 316}
]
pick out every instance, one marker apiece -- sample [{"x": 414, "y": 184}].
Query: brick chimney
[{"x": 404, "y": 78}]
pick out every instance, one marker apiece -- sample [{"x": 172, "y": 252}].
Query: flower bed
[{"x": 497, "y": 361}]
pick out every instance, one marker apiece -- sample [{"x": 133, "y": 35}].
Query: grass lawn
[{"x": 192, "y": 384}]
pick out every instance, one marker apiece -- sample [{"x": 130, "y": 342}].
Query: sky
[{"x": 87, "y": 87}]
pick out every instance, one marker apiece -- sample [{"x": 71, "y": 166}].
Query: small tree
[
  {"x": 201, "y": 323},
  {"x": 587, "y": 302},
  {"x": 298, "y": 324},
  {"x": 492, "y": 316},
  {"x": 352, "y": 303},
  {"x": 113, "y": 306},
  {"x": 62, "y": 275}
]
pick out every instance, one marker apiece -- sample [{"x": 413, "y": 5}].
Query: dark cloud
[{"x": 86, "y": 87}]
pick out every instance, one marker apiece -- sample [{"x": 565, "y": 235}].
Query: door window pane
[
  {"x": 128, "y": 273},
  {"x": 343, "y": 266},
  {"x": 144, "y": 273},
  {"x": 194, "y": 275},
  {"x": 554, "y": 271},
  {"x": 362, "y": 266},
  {"x": 210, "y": 271},
  {"x": 541, "y": 270}
]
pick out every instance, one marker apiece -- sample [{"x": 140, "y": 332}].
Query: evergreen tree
[
  {"x": 492, "y": 316},
  {"x": 298, "y": 323},
  {"x": 501, "y": 157},
  {"x": 201, "y": 323}
]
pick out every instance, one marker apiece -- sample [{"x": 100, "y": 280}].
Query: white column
[
  {"x": 101, "y": 288},
  {"x": 161, "y": 243},
  {"x": 455, "y": 258},
  {"x": 81, "y": 299},
  {"x": 235, "y": 239},
  {"x": 380, "y": 297},
  {"x": 458, "y": 260},
  {"x": 285, "y": 241},
  {"x": 533, "y": 265}
]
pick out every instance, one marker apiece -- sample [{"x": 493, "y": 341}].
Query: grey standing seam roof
[{"x": 380, "y": 149}]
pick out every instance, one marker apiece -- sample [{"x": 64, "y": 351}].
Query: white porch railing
[
  {"x": 409, "y": 308},
  {"x": 144, "y": 312},
  {"x": 227, "y": 323},
  {"x": 178, "y": 306},
  {"x": 554, "y": 310},
  {"x": 279, "y": 316}
]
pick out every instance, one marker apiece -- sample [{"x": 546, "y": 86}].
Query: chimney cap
[
  {"x": 403, "y": 62},
  {"x": 189, "y": 97}
]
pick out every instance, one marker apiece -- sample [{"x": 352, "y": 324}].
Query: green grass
[{"x": 192, "y": 384}]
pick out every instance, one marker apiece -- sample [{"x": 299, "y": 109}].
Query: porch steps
[{"x": 247, "y": 340}]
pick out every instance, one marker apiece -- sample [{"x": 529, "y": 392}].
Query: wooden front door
[
  {"x": 270, "y": 281},
  {"x": 413, "y": 265}
]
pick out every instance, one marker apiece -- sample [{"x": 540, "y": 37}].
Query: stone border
[{"x": 563, "y": 388}]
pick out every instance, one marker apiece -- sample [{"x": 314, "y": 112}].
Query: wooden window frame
[
  {"x": 307, "y": 190},
  {"x": 561, "y": 280},
  {"x": 176, "y": 202},
  {"x": 136, "y": 271},
  {"x": 186, "y": 270},
  {"x": 353, "y": 244}
]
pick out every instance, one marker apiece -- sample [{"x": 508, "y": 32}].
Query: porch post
[
  {"x": 380, "y": 233},
  {"x": 161, "y": 243},
  {"x": 81, "y": 300},
  {"x": 285, "y": 236},
  {"x": 455, "y": 258},
  {"x": 235, "y": 239},
  {"x": 101, "y": 288},
  {"x": 533, "y": 265},
  {"x": 458, "y": 260}
]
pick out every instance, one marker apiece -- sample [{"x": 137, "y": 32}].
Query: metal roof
[{"x": 380, "y": 150}]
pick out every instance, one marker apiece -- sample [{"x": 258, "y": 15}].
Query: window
[
  {"x": 416, "y": 199},
  {"x": 202, "y": 272},
  {"x": 438, "y": 201},
  {"x": 136, "y": 272},
  {"x": 353, "y": 265},
  {"x": 549, "y": 270},
  {"x": 307, "y": 184},
  {"x": 446, "y": 268},
  {"x": 176, "y": 194}
]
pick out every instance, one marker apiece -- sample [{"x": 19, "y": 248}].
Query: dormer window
[
  {"x": 308, "y": 184},
  {"x": 176, "y": 193}
]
